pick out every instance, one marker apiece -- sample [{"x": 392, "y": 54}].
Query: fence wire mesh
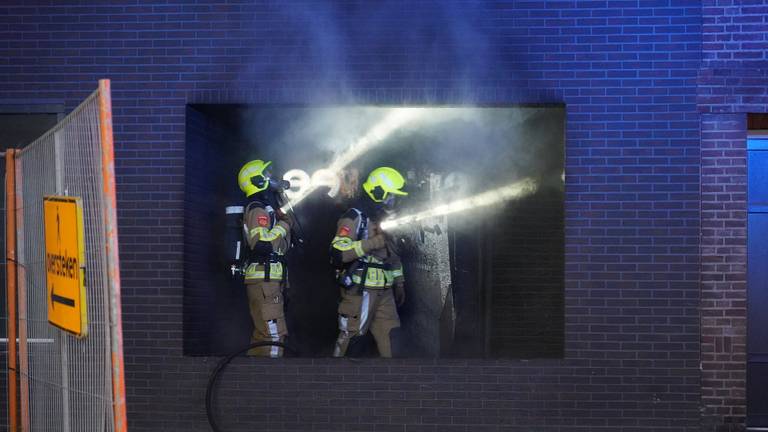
[{"x": 66, "y": 383}]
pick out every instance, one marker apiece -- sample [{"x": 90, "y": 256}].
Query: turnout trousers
[
  {"x": 371, "y": 309},
  {"x": 265, "y": 300}
]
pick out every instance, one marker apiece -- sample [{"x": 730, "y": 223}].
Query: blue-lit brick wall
[
  {"x": 732, "y": 82},
  {"x": 631, "y": 75}
]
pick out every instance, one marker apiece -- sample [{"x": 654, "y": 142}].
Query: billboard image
[{"x": 367, "y": 231}]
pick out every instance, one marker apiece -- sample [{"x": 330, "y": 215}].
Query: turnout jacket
[
  {"x": 364, "y": 248},
  {"x": 268, "y": 241}
]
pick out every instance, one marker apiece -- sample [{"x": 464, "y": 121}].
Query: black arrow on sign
[{"x": 55, "y": 298}]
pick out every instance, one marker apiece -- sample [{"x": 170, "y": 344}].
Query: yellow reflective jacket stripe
[
  {"x": 376, "y": 278},
  {"x": 256, "y": 271},
  {"x": 345, "y": 244},
  {"x": 265, "y": 234}
]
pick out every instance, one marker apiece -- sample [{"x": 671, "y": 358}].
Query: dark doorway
[
  {"x": 19, "y": 126},
  {"x": 757, "y": 273}
]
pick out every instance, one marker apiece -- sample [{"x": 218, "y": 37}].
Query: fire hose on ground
[{"x": 220, "y": 368}]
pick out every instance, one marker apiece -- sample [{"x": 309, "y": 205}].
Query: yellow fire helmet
[
  {"x": 383, "y": 182},
  {"x": 253, "y": 177}
]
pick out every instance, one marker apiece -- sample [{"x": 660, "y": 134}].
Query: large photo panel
[{"x": 472, "y": 258}]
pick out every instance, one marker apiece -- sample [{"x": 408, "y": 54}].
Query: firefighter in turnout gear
[
  {"x": 369, "y": 270},
  {"x": 267, "y": 236}
]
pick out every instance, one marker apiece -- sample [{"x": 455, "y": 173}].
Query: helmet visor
[{"x": 261, "y": 180}]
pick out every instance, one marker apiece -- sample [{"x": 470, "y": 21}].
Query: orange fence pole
[
  {"x": 10, "y": 283},
  {"x": 113, "y": 263},
  {"x": 21, "y": 302}
]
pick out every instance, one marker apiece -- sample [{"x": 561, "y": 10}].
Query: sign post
[{"x": 65, "y": 264}]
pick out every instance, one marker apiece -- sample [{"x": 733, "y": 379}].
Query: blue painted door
[{"x": 757, "y": 283}]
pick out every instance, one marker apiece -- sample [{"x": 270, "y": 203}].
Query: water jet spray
[
  {"x": 395, "y": 119},
  {"x": 511, "y": 191}
]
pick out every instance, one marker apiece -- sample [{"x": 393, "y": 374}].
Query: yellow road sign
[{"x": 65, "y": 264}]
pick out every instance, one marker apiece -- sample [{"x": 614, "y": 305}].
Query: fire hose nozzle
[{"x": 279, "y": 184}]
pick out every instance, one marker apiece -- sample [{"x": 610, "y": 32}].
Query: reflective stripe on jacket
[
  {"x": 373, "y": 250},
  {"x": 277, "y": 237}
]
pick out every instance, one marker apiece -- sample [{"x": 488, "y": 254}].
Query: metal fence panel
[
  {"x": 4, "y": 345},
  {"x": 68, "y": 384}
]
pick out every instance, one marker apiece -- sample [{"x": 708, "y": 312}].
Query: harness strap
[
  {"x": 365, "y": 266},
  {"x": 267, "y": 263}
]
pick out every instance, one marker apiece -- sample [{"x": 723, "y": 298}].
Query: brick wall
[
  {"x": 626, "y": 71},
  {"x": 723, "y": 271},
  {"x": 732, "y": 82}
]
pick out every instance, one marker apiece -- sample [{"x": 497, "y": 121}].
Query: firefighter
[
  {"x": 267, "y": 234},
  {"x": 369, "y": 270}
]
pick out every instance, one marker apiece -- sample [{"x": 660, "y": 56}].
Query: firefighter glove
[{"x": 376, "y": 242}]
